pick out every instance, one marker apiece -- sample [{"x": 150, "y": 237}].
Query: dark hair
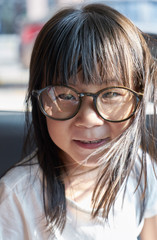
[{"x": 105, "y": 45}]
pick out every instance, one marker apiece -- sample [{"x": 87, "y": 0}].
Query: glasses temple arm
[{"x": 35, "y": 93}]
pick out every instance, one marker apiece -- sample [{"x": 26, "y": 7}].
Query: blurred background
[{"x": 20, "y": 22}]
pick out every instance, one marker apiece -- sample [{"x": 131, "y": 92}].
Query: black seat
[{"x": 11, "y": 138}]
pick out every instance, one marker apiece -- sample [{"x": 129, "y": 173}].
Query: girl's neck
[
  {"x": 79, "y": 185},
  {"x": 80, "y": 180}
]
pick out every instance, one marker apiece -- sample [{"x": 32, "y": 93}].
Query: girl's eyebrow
[{"x": 113, "y": 82}]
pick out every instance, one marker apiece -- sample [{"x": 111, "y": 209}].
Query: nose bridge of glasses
[
  {"x": 88, "y": 94},
  {"x": 93, "y": 102},
  {"x": 93, "y": 95}
]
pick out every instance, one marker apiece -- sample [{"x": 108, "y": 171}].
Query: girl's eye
[
  {"x": 110, "y": 95},
  {"x": 66, "y": 97}
]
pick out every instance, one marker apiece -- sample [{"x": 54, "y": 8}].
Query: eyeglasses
[{"x": 113, "y": 104}]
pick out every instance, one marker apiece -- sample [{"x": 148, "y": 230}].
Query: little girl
[{"x": 92, "y": 175}]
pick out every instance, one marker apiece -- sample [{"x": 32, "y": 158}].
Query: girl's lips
[{"x": 91, "y": 144}]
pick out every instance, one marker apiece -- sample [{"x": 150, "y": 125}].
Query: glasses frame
[{"x": 37, "y": 94}]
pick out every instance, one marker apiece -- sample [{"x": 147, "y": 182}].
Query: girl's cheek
[{"x": 118, "y": 128}]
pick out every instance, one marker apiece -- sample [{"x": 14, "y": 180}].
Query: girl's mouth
[{"x": 91, "y": 144}]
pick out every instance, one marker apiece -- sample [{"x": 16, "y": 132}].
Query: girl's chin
[
  {"x": 87, "y": 158},
  {"x": 84, "y": 161}
]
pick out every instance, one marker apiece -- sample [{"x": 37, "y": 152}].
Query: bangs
[{"x": 90, "y": 43}]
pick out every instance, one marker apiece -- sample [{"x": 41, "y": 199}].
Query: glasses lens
[
  {"x": 116, "y": 104},
  {"x": 59, "y": 102}
]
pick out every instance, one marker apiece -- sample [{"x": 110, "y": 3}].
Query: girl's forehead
[
  {"x": 108, "y": 82},
  {"x": 98, "y": 75},
  {"x": 80, "y": 84},
  {"x": 95, "y": 79}
]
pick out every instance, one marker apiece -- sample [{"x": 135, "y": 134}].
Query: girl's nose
[{"x": 87, "y": 115}]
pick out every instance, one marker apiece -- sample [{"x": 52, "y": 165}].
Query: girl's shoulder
[
  {"x": 144, "y": 172},
  {"x": 148, "y": 184},
  {"x": 21, "y": 204},
  {"x": 149, "y": 164}
]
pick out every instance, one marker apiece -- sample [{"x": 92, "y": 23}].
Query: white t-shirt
[{"x": 22, "y": 214}]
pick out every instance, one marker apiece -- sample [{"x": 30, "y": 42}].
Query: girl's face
[{"x": 83, "y": 134}]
